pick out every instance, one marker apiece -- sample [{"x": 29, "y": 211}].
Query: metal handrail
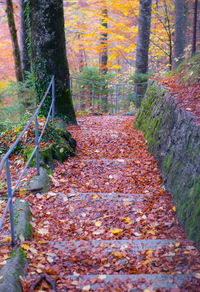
[
  {"x": 115, "y": 96},
  {"x": 5, "y": 159}
]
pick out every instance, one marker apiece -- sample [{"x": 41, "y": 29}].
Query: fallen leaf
[
  {"x": 102, "y": 277},
  {"x": 33, "y": 250},
  {"x": 86, "y": 288},
  {"x": 50, "y": 259},
  {"x": 43, "y": 231},
  {"x": 8, "y": 239},
  {"x": 115, "y": 231},
  {"x": 25, "y": 246},
  {"x": 95, "y": 196},
  {"x": 98, "y": 223},
  {"x": 22, "y": 192},
  {"x": 127, "y": 220},
  {"x": 117, "y": 254},
  {"x": 197, "y": 275},
  {"x": 98, "y": 232}
]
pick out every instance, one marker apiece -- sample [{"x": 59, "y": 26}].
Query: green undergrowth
[
  {"x": 17, "y": 99},
  {"x": 188, "y": 70},
  {"x": 55, "y": 143}
]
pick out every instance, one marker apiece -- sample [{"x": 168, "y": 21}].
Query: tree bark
[
  {"x": 194, "y": 40},
  {"x": 180, "y": 31},
  {"x": 15, "y": 45},
  {"x": 25, "y": 59},
  {"x": 48, "y": 54},
  {"x": 144, "y": 23}
]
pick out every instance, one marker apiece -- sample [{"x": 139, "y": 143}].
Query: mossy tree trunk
[
  {"x": 48, "y": 54},
  {"x": 15, "y": 45}
]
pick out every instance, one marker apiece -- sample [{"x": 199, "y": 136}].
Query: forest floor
[{"x": 107, "y": 223}]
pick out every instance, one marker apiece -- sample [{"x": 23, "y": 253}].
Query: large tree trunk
[
  {"x": 180, "y": 30},
  {"x": 48, "y": 54},
  {"x": 142, "y": 50},
  {"x": 25, "y": 59},
  {"x": 13, "y": 33},
  {"x": 144, "y": 23},
  {"x": 103, "y": 55},
  {"x": 194, "y": 40}
]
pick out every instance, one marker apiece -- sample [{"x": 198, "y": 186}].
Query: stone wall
[{"x": 174, "y": 140}]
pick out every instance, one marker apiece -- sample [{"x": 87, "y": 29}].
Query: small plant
[{"x": 16, "y": 98}]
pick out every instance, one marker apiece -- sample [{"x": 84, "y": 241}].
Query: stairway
[
  {"x": 117, "y": 255},
  {"x": 116, "y": 239}
]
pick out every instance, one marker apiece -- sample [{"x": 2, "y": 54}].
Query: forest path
[{"x": 108, "y": 224}]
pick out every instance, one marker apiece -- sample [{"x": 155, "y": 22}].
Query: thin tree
[
  {"x": 48, "y": 53},
  {"x": 25, "y": 58},
  {"x": 144, "y": 23},
  {"x": 180, "y": 31},
  {"x": 194, "y": 40},
  {"x": 15, "y": 45},
  {"x": 103, "y": 56}
]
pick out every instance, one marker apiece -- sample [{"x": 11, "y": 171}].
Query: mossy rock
[
  {"x": 22, "y": 219},
  {"x": 40, "y": 183},
  {"x": 11, "y": 272},
  {"x": 61, "y": 146}
]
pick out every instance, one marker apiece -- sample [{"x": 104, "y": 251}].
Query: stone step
[
  {"x": 125, "y": 257},
  {"x": 129, "y": 282},
  {"x": 115, "y": 162},
  {"x": 93, "y": 215},
  {"x": 110, "y": 245},
  {"x": 105, "y": 196}
]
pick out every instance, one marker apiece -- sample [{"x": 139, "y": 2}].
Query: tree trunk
[
  {"x": 48, "y": 54},
  {"x": 25, "y": 59},
  {"x": 180, "y": 30},
  {"x": 13, "y": 33},
  {"x": 144, "y": 23},
  {"x": 195, "y": 28},
  {"x": 103, "y": 56}
]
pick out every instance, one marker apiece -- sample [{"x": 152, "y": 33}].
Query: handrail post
[
  {"x": 11, "y": 204},
  {"x": 71, "y": 85},
  {"x": 93, "y": 92},
  {"x": 136, "y": 96},
  {"x": 116, "y": 99},
  {"x": 53, "y": 99},
  {"x": 37, "y": 145}
]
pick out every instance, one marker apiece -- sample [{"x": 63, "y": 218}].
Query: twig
[{"x": 52, "y": 283}]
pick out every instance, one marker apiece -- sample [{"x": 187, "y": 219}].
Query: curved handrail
[{"x": 5, "y": 159}]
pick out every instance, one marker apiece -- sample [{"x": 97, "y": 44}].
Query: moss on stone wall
[{"x": 173, "y": 138}]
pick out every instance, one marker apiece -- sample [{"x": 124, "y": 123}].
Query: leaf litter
[{"x": 94, "y": 200}]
